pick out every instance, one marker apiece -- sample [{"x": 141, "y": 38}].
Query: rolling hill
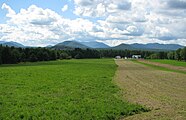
[
  {"x": 149, "y": 46},
  {"x": 163, "y": 46},
  {"x": 61, "y": 47},
  {"x": 68, "y": 45},
  {"x": 1, "y": 42},
  {"x": 10, "y": 44},
  {"x": 123, "y": 47},
  {"x": 95, "y": 44}
]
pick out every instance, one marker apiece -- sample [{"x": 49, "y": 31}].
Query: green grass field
[
  {"x": 170, "y": 62},
  {"x": 67, "y": 89}
]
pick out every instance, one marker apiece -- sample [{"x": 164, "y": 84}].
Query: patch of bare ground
[
  {"x": 179, "y": 68},
  {"x": 162, "y": 91}
]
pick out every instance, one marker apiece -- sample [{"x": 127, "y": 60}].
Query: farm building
[
  {"x": 136, "y": 56},
  {"x": 118, "y": 57}
]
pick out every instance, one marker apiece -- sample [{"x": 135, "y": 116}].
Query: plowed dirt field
[{"x": 163, "y": 92}]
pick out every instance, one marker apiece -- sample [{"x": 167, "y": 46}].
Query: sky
[{"x": 48, "y": 22}]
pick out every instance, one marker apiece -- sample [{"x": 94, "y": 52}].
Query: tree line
[
  {"x": 179, "y": 54},
  {"x": 12, "y": 55}
]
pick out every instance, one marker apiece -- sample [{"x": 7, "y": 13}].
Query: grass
[
  {"x": 170, "y": 62},
  {"x": 67, "y": 89},
  {"x": 159, "y": 67}
]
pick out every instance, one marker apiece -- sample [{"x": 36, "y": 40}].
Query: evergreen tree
[
  {"x": 1, "y": 48},
  {"x": 53, "y": 55},
  {"x": 63, "y": 55},
  {"x": 177, "y": 54},
  {"x": 0, "y": 57},
  {"x": 170, "y": 55},
  {"x": 33, "y": 58},
  {"x": 183, "y": 54},
  {"x": 15, "y": 56},
  {"x": 79, "y": 56},
  {"x": 23, "y": 57},
  {"x": 46, "y": 56},
  {"x": 6, "y": 55}
]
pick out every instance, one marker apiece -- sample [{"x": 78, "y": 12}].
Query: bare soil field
[
  {"x": 163, "y": 92},
  {"x": 179, "y": 68}
]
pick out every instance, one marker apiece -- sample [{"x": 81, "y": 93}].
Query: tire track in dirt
[
  {"x": 162, "y": 91},
  {"x": 179, "y": 68}
]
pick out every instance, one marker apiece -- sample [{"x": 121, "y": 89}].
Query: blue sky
[
  {"x": 55, "y": 5},
  {"x": 41, "y": 22}
]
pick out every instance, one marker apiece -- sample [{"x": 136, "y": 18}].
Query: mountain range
[
  {"x": 157, "y": 46},
  {"x": 70, "y": 45},
  {"x": 99, "y": 45}
]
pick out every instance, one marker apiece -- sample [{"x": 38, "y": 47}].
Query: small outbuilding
[
  {"x": 118, "y": 57},
  {"x": 136, "y": 56}
]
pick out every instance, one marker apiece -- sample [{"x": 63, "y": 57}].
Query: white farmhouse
[
  {"x": 136, "y": 56},
  {"x": 118, "y": 57}
]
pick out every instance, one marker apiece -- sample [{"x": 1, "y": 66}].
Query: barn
[
  {"x": 118, "y": 57},
  {"x": 136, "y": 56}
]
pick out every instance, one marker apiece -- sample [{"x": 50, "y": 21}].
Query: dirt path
[
  {"x": 180, "y": 68},
  {"x": 163, "y": 92}
]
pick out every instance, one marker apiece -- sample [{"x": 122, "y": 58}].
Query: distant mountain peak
[
  {"x": 123, "y": 46},
  {"x": 70, "y": 45},
  {"x": 95, "y": 44},
  {"x": 11, "y": 43}
]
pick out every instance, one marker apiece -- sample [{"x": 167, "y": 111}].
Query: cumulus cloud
[
  {"x": 118, "y": 6},
  {"x": 134, "y": 31},
  {"x": 65, "y": 8},
  {"x": 109, "y": 21},
  {"x": 177, "y": 4},
  {"x": 9, "y": 9},
  {"x": 37, "y": 26},
  {"x": 84, "y": 2},
  {"x": 100, "y": 8}
]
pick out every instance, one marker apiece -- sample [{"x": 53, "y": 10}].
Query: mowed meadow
[
  {"x": 63, "y": 89},
  {"x": 170, "y": 62}
]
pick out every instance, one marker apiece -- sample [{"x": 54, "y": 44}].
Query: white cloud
[
  {"x": 132, "y": 29},
  {"x": 37, "y": 26},
  {"x": 100, "y": 8},
  {"x": 9, "y": 9},
  {"x": 65, "y": 8},
  {"x": 109, "y": 21},
  {"x": 84, "y": 2}
]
